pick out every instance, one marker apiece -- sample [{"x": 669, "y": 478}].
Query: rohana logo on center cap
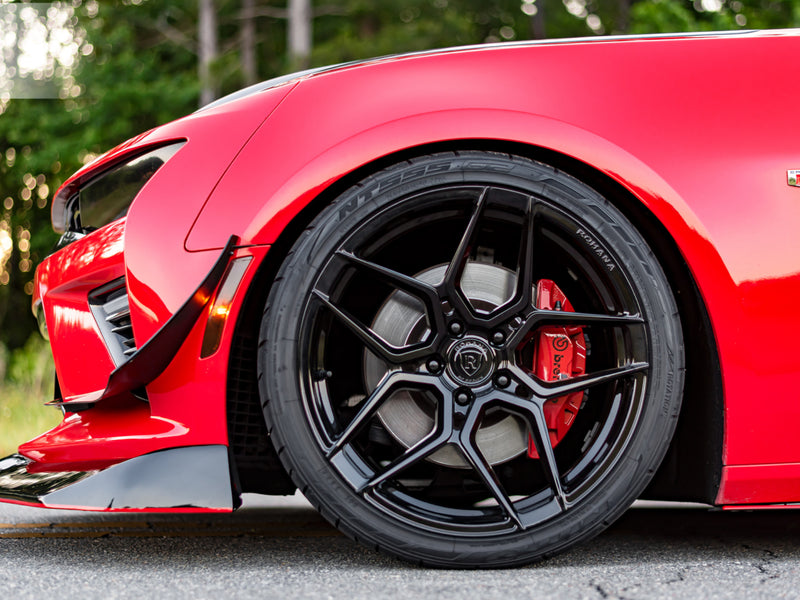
[{"x": 471, "y": 361}]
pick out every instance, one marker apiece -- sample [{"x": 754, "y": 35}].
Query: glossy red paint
[
  {"x": 97, "y": 438},
  {"x": 687, "y": 143},
  {"x": 186, "y": 404},
  {"x": 170, "y": 202},
  {"x": 181, "y": 510},
  {"x": 691, "y": 143},
  {"x": 760, "y": 484},
  {"x": 63, "y": 283}
]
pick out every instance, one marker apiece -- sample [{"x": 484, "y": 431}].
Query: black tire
[{"x": 422, "y": 238}]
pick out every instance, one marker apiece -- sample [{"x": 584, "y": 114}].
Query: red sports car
[{"x": 472, "y": 302}]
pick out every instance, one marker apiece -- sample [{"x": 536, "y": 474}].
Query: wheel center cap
[{"x": 470, "y": 361}]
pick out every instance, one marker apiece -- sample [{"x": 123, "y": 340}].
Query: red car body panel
[
  {"x": 186, "y": 405},
  {"x": 64, "y": 281},
  {"x": 711, "y": 168},
  {"x": 699, "y": 129}
]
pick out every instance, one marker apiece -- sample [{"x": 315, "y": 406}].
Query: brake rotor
[{"x": 409, "y": 416}]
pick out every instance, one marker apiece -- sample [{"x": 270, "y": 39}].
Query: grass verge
[
  {"x": 26, "y": 383},
  {"x": 23, "y": 417}
]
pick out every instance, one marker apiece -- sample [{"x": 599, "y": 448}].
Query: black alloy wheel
[{"x": 411, "y": 362}]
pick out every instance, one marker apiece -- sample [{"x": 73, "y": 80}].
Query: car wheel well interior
[{"x": 692, "y": 466}]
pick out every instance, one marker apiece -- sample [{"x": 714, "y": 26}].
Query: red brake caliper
[{"x": 559, "y": 353}]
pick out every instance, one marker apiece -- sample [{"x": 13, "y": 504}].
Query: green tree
[
  {"x": 131, "y": 77},
  {"x": 137, "y": 67},
  {"x": 663, "y": 16}
]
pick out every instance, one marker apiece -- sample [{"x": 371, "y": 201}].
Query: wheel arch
[{"x": 692, "y": 467}]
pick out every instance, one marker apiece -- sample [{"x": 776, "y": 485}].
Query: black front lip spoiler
[
  {"x": 149, "y": 361},
  {"x": 187, "y": 478}
]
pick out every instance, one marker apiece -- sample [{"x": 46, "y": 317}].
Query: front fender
[
  {"x": 707, "y": 170},
  {"x": 267, "y": 200},
  {"x": 160, "y": 273}
]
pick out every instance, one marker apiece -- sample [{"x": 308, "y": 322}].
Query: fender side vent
[{"x": 109, "y": 305}]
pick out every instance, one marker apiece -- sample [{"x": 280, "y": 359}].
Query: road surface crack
[
  {"x": 766, "y": 566},
  {"x": 679, "y": 576},
  {"x": 605, "y": 594},
  {"x": 599, "y": 589}
]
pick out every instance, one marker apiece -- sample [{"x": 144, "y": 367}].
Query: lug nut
[
  {"x": 502, "y": 380},
  {"x": 498, "y": 337},
  {"x": 434, "y": 366},
  {"x": 456, "y": 328},
  {"x": 462, "y": 397}
]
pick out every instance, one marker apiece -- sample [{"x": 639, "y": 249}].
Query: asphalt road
[{"x": 280, "y": 548}]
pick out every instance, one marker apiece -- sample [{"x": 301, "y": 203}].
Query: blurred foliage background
[{"x": 78, "y": 77}]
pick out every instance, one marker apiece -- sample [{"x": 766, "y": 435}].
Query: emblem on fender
[{"x": 793, "y": 177}]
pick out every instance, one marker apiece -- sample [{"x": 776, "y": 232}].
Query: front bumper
[{"x": 106, "y": 420}]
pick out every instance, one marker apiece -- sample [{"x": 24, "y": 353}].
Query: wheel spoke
[
  {"x": 541, "y": 438},
  {"x": 483, "y": 468},
  {"x": 451, "y": 283},
  {"x": 578, "y": 384},
  {"x": 390, "y": 383},
  {"x": 532, "y": 412},
  {"x": 523, "y": 296},
  {"x": 419, "y": 289},
  {"x": 459, "y": 261},
  {"x": 540, "y": 317},
  {"x": 563, "y": 317},
  {"x": 441, "y": 435},
  {"x": 523, "y": 293},
  {"x": 556, "y": 389},
  {"x": 374, "y": 342}
]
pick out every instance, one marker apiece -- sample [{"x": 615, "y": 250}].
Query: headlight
[{"x": 108, "y": 196}]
